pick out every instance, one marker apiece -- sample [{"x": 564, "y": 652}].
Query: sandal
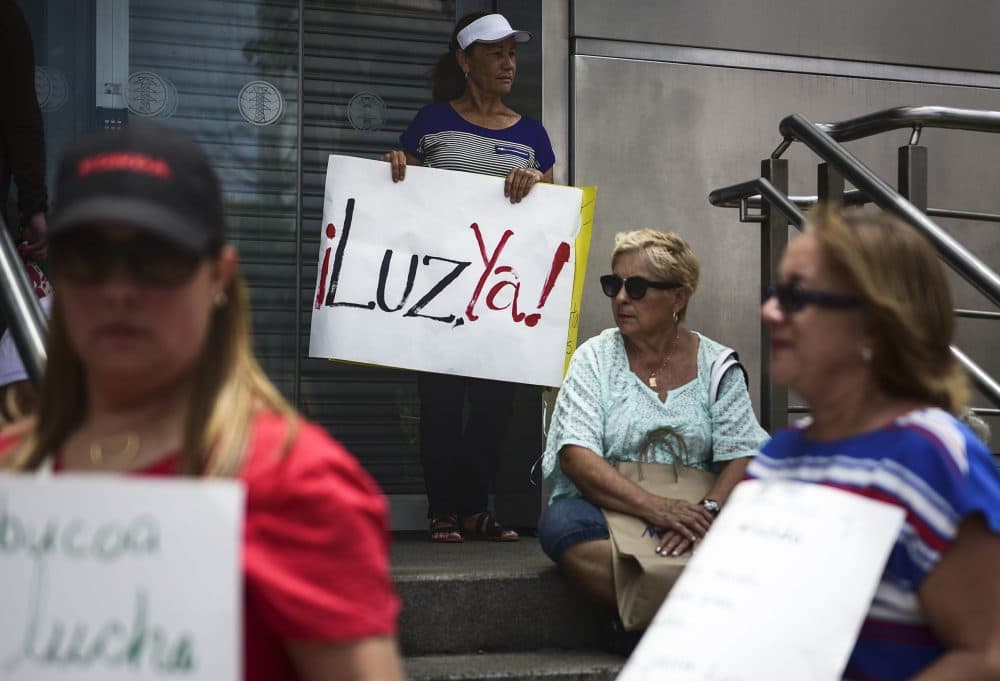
[
  {"x": 445, "y": 529},
  {"x": 483, "y": 526}
]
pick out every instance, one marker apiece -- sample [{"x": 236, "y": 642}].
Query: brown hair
[
  {"x": 667, "y": 253},
  {"x": 230, "y": 389},
  {"x": 906, "y": 301},
  {"x": 446, "y": 78}
]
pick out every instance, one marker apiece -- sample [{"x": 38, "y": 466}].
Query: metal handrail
[
  {"x": 823, "y": 139},
  {"x": 982, "y": 380},
  {"x": 736, "y": 196},
  {"x": 975, "y": 216},
  {"x": 976, "y": 314},
  {"x": 852, "y": 197},
  {"x": 24, "y": 315},
  {"x": 915, "y": 117},
  {"x": 968, "y": 266}
]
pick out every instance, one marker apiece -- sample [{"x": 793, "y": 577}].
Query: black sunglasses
[
  {"x": 635, "y": 287},
  {"x": 86, "y": 257},
  {"x": 792, "y": 298}
]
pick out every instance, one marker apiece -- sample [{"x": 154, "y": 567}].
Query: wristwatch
[{"x": 710, "y": 505}]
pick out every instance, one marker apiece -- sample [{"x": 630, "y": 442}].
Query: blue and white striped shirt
[
  {"x": 936, "y": 470},
  {"x": 441, "y": 138}
]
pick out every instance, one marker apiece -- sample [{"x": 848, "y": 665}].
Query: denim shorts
[{"x": 567, "y": 522}]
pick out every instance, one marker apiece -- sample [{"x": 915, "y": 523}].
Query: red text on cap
[{"x": 125, "y": 161}]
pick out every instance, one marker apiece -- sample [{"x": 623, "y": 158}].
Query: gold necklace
[
  {"x": 666, "y": 361},
  {"x": 130, "y": 447}
]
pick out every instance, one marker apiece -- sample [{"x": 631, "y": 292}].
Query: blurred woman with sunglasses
[
  {"x": 861, "y": 328},
  {"x": 647, "y": 374},
  {"x": 150, "y": 372}
]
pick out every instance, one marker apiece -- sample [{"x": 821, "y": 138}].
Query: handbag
[{"x": 642, "y": 577}]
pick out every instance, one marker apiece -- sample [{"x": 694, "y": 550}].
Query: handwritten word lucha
[
  {"x": 116, "y": 643},
  {"x": 497, "y": 287}
]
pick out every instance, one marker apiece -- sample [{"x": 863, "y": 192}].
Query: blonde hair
[
  {"x": 229, "y": 389},
  {"x": 979, "y": 427},
  {"x": 669, "y": 256},
  {"x": 906, "y": 301}
]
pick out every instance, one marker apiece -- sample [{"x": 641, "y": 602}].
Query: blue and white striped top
[
  {"x": 935, "y": 469},
  {"x": 443, "y": 139}
]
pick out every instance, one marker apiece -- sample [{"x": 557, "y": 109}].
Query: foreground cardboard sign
[
  {"x": 105, "y": 578},
  {"x": 777, "y": 591},
  {"x": 441, "y": 273}
]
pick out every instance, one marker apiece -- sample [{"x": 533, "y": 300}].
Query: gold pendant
[
  {"x": 130, "y": 447},
  {"x": 652, "y": 382}
]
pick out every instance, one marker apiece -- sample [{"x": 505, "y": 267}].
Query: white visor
[{"x": 490, "y": 29}]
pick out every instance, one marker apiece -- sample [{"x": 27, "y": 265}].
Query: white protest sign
[
  {"x": 777, "y": 591},
  {"x": 109, "y": 578},
  {"x": 441, "y": 273}
]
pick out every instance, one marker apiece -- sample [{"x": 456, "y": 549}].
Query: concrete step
[
  {"x": 545, "y": 665},
  {"x": 486, "y": 596}
]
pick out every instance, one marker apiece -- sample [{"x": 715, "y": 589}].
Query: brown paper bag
[{"x": 643, "y": 578}]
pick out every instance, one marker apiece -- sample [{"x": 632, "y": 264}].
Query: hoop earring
[{"x": 677, "y": 317}]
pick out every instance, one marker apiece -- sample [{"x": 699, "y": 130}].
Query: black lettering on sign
[
  {"x": 414, "y": 311},
  {"x": 383, "y": 275},
  {"x": 338, "y": 262}
]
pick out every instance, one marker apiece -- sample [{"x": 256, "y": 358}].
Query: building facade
[{"x": 655, "y": 103}]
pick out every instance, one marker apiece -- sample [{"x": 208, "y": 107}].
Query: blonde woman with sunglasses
[
  {"x": 647, "y": 374},
  {"x": 861, "y": 325}
]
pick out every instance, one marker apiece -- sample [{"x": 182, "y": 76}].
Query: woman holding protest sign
[
  {"x": 650, "y": 391},
  {"x": 861, "y": 327},
  {"x": 150, "y": 372},
  {"x": 469, "y": 128}
]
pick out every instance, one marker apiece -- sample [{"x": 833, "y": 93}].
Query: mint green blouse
[{"x": 604, "y": 407}]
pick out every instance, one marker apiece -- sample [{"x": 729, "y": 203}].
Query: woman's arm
[
  {"x": 368, "y": 659},
  {"x": 604, "y": 486},
  {"x": 961, "y": 600},
  {"x": 398, "y": 160},
  {"x": 730, "y": 474}
]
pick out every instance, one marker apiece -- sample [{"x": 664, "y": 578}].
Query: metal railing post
[
  {"x": 24, "y": 315},
  {"x": 773, "y": 239},
  {"x": 913, "y": 174},
  {"x": 829, "y": 184}
]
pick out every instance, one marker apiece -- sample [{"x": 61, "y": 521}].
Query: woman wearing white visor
[{"x": 469, "y": 128}]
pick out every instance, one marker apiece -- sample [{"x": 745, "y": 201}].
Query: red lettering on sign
[
  {"x": 495, "y": 291},
  {"x": 331, "y": 232},
  {"x": 490, "y": 262},
  {"x": 560, "y": 258}
]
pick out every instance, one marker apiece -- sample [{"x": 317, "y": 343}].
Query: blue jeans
[{"x": 567, "y": 522}]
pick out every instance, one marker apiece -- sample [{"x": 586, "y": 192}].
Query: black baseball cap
[{"x": 146, "y": 176}]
